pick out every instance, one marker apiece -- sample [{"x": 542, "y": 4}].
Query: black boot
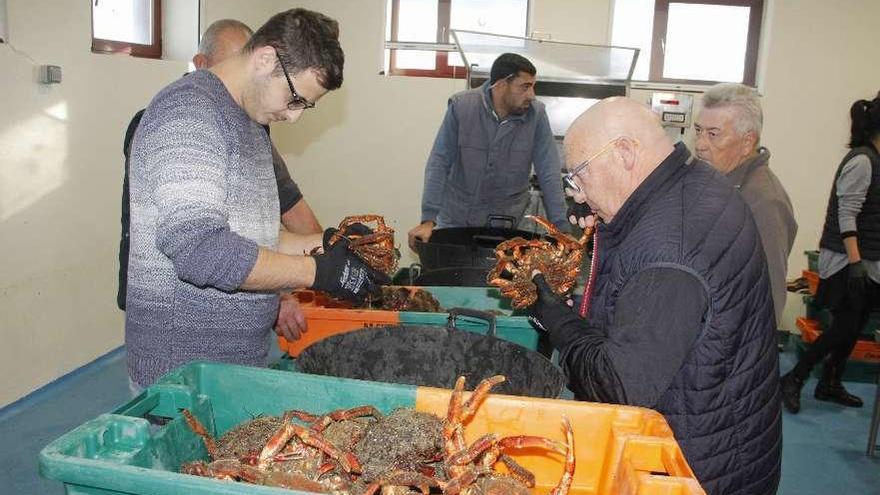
[
  {"x": 831, "y": 389},
  {"x": 791, "y": 385}
]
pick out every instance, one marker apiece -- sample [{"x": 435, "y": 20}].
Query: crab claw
[{"x": 568, "y": 474}]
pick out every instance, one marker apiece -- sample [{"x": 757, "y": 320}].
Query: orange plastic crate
[
  {"x": 620, "y": 450},
  {"x": 865, "y": 350},
  {"x": 812, "y": 280},
  {"x": 326, "y": 318}
]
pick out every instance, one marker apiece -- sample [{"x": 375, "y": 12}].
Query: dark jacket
[
  {"x": 868, "y": 220},
  {"x": 687, "y": 226}
]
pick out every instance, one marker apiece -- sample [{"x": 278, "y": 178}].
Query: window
[
  {"x": 127, "y": 26},
  {"x": 418, "y": 42},
  {"x": 691, "y": 41}
]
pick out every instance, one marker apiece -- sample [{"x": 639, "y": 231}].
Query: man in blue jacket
[
  {"x": 483, "y": 154},
  {"x": 680, "y": 317}
]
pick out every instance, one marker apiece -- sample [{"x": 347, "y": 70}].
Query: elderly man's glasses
[
  {"x": 568, "y": 179},
  {"x": 296, "y": 102}
]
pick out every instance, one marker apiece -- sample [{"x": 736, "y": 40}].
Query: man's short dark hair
[
  {"x": 510, "y": 64},
  {"x": 304, "y": 40}
]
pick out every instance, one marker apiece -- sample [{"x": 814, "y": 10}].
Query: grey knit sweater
[{"x": 203, "y": 198}]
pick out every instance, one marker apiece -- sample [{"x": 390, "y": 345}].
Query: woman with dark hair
[{"x": 849, "y": 261}]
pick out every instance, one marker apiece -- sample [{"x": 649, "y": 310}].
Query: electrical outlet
[{"x": 50, "y": 74}]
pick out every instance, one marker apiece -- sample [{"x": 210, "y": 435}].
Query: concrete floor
[{"x": 824, "y": 445}]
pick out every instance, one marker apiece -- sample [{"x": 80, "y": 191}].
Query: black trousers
[{"x": 849, "y": 316}]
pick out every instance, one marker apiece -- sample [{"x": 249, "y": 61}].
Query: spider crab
[
  {"x": 291, "y": 456},
  {"x": 469, "y": 469},
  {"x": 376, "y": 249},
  {"x": 558, "y": 259}
]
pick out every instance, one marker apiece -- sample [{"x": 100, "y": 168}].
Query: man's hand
[
  {"x": 549, "y": 310},
  {"x": 355, "y": 228},
  {"x": 421, "y": 232},
  {"x": 291, "y": 322},
  {"x": 344, "y": 275},
  {"x": 582, "y": 215},
  {"x": 857, "y": 281}
]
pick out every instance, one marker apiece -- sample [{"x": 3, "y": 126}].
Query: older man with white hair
[{"x": 728, "y": 138}]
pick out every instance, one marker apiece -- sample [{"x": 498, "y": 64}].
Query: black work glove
[
  {"x": 355, "y": 228},
  {"x": 344, "y": 275},
  {"x": 857, "y": 281},
  {"x": 549, "y": 312}
]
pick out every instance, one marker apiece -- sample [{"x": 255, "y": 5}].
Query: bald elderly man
[{"x": 680, "y": 317}]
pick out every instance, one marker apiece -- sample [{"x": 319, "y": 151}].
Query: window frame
[
  {"x": 440, "y": 46},
  {"x": 658, "y": 39},
  {"x": 153, "y": 50}
]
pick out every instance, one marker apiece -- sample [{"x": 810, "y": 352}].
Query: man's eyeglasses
[
  {"x": 568, "y": 179},
  {"x": 296, "y": 102}
]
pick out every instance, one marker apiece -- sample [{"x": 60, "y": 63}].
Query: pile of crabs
[{"x": 360, "y": 451}]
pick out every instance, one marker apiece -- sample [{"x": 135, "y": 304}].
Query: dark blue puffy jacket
[{"x": 723, "y": 404}]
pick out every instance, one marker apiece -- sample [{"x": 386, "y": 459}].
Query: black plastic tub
[
  {"x": 468, "y": 246},
  {"x": 433, "y": 356},
  {"x": 464, "y": 276}
]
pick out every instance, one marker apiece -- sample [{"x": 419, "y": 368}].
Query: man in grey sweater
[
  {"x": 207, "y": 255},
  {"x": 728, "y": 137}
]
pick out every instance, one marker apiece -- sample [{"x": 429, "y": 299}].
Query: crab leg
[
  {"x": 478, "y": 395},
  {"x": 342, "y": 414},
  {"x": 303, "y": 415},
  {"x": 452, "y": 424},
  {"x": 469, "y": 454},
  {"x": 346, "y": 460},
  {"x": 199, "y": 429},
  {"x": 405, "y": 479},
  {"x": 522, "y": 474},
  {"x": 464, "y": 480},
  {"x": 568, "y": 474},
  {"x": 493, "y": 447}
]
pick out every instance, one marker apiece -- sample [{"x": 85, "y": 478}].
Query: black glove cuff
[{"x": 578, "y": 211}]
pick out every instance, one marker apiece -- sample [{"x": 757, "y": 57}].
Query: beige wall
[
  {"x": 822, "y": 57},
  {"x": 363, "y": 150},
  {"x": 574, "y": 21},
  {"x": 60, "y": 179},
  {"x": 253, "y": 12}
]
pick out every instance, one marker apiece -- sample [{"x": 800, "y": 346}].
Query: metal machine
[
  {"x": 675, "y": 111},
  {"x": 571, "y": 76}
]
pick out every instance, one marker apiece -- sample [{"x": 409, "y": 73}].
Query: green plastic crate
[
  {"x": 122, "y": 453},
  {"x": 812, "y": 260},
  {"x": 510, "y": 325}
]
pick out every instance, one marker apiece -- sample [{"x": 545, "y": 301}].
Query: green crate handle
[
  {"x": 454, "y": 313},
  {"x": 140, "y": 406}
]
